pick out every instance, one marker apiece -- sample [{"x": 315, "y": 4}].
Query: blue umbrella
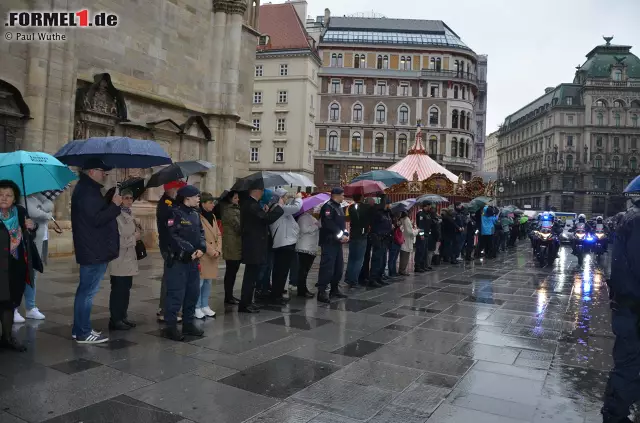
[
  {"x": 117, "y": 152},
  {"x": 387, "y": 177},
  {"x": 34, "y": 171}
]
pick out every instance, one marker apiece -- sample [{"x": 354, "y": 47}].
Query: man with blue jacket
[
  {"x": 487, "y": 229},
  {"x": 95, "y": 241}
]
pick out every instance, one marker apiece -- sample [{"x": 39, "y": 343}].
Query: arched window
[
  {"x": 356, "y": 142},
  {"x": 600, "y": 119},
  {"x": 455, "y": 91},
  {"x": 408, "y": 63},
  {"x": 617, "y": 119},
  {"x": 469, "y": 121},
  {"x": 379, "y": 63},
  {"x": 569, "y": 161},
  {"x": 618, "y": 103},
  {"x": 381, "y": 113},
  {"x": 403, "y": 63},
  {"x": 616, "y": 162},
  {"x": 385, "y": 62},
  {"x": 601, "y": 103},
  {"x": 461, "y": 148},
  {"x": 379, "y": 146},
  {"x": 454, "y": 119},
  {"x": 433, "y": 144},
  {"x": 334, "y": 112},
  {"x": 634, "y": 121},
  {"x": 597, "y": 162},
  {"x": 357, "y": 113},
  {"x": 463, "y": 119},
  {"x": 340, "y": 60},
  {"x": 633, "y": 163},
  {"x": 403, "y": 115},
  {"x": 402, "y": 144},
  {"x": 334, "y": 60},
  {"x": 598, "y": 141},
  {"x": 454, "y": 147},
  {"x": 438, "y": 64},
  {"x": 356, "y": 61},
  {"x": 464, "y": 93},
  {"x": 459, "y": 68},
  {"x": 434, "y": 116},
  {"x": 333, "y": 141}
]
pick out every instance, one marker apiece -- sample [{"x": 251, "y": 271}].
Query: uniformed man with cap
[
  {"x": 186, "y": 245},
  {"x": 423, "y": 223},
  {"x": 333, "y": 235}
]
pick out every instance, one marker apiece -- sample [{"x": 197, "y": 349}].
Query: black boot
[
  {"x": 129, "y": 323},
  {"x": 8, "y": 341},
  {"x": 335, "y": 293},
  {"x": 231, "y": 301},
  {"x": 118, "y": 325},
  {"x": 191, "y": 329},
  {"x": 172, "y": 332},
  {"x": 323, "y": 297}
]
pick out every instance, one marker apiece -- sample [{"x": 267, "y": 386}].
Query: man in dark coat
[
  {"x": 360, "y": 219},
  {"x": 423, "y": 222},
  {"x": 164, "y": 210},
  {"x": 96, "y": 242},
  {"x": 381, "y": 237},
  {"x": 255, "y": 221},
  {"x": 333, "y": 235}
]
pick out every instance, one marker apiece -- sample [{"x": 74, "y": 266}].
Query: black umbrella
[
  {"x": 260, "y": 180},
  {"x": 136, "y": 185},
  {"x": 176, "y": 171}
]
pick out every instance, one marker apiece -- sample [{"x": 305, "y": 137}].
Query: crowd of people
[{"x": 267, "y": 231}]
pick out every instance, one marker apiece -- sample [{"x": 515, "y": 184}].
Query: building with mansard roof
[
  {"x": 575, "y": 147},
  {"x": 380, "y": 77}
]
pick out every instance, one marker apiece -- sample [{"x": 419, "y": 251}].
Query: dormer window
[
  {"x": 617, "y": 75},
  {"x": 569, "y": 101}
]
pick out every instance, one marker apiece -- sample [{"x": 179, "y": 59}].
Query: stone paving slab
[{"x": 500, "y": 341}]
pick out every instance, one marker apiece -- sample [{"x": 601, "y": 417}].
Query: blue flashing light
[{"x": 590, "y": 238}]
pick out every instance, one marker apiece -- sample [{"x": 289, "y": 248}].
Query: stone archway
[{"x": 14, "y": 113}]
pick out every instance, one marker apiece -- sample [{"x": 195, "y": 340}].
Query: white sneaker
[
  {"x": 208, "y": 312},
  {"x": 199, "y": 314},
  {"x": 17, "y": 317},
  {"x": 35, "y": 314}
]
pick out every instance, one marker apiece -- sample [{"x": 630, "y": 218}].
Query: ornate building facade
[
  {"x": 379, "y": 77},
  {"x": 490, "y": 160},
  {"x": 180, "y": 73},
  {"x": 576, "y": 147}
]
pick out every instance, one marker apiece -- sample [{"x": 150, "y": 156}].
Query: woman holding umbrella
[{"x": 16, "y": 264}]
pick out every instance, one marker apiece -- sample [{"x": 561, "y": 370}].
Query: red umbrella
[{"x": 364, "y": 188}]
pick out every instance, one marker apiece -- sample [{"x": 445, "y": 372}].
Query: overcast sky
[{"x": 531, "y": 44}]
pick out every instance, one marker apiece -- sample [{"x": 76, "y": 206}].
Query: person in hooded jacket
[
  {"x": 285, "y": 235},
  {"x": 488, "y": 230},
  {"x": 623, "y": 386},
  {"x": 229, "y": 207}
]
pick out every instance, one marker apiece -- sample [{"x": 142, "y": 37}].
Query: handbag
[
  {"x": 141, "y": 250},
  {"x": 398, "y": 236}
]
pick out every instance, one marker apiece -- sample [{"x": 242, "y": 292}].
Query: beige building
[
  {"x": 379, "y": 78},
  {"x": 180, "y": 73},
  {"x": 575, "y": 148},
  {"x": 285, "y": 92},
  {"x": 490, "y": 163}
]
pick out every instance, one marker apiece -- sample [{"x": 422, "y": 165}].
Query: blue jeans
[
  {"x": 357, "y": 248},
  {"x": 264, "y": 280},
  {"x": 394, "y": 252},
  {"x": 90, "y": 277},
  {"x": 183, "y": 290},
  {"x": 205, "y": 292},
  {"x": 30, "y": 294}
]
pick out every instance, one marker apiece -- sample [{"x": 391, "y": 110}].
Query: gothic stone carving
[{"x": 231, "y": 7}]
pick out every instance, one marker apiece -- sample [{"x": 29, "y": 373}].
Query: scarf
[
  {"x": 126, "y": 210},
  {"x": 12, "y": 225},
  {"x": 207, "y": 215}
]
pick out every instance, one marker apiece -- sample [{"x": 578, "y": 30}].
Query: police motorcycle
[
  {"x": 545, "y": 240},
  {"x": 601, "y": 240},
  {"x": 582, "y": 238}
]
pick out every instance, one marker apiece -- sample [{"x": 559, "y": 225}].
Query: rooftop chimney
[{"x": 327, "y": 15}]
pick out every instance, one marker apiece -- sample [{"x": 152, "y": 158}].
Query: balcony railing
[
  {"x": 450, "y": 74},
  {"x": 610, "y": 83},
  {"x": 358, "y": 155}
]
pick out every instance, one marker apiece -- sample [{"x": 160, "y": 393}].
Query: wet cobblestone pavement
[{"x": 499, "y": 342}]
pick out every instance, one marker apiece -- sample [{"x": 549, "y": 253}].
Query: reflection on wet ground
[{"x": 500, "y": 341}]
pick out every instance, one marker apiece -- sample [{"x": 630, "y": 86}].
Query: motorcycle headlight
[
  {"x": 600, "y": 235},
  {"x": 580, "y": 236},
  {"x": 421, "y": 233},
  {"x": 545, "y": 236}
]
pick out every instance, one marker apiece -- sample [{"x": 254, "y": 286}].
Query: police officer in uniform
[
  {"x": 623, "y": 387},
  {"x": 186, "y": 245},
  {"x": 333, "y": 235},
  {"x": 423, "y": 223}
]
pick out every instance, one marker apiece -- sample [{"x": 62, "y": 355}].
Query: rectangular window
[
  {"x": 281, "y": 125},
  {"x": 382, "y": 88},
  {"x": 568, "y": 202},
  {"x": 256, "y": 125},
  {"x": 570, "y": 140},
  {"x": 284, "y": 70},
  {"x": 335, "y": 86},
  {"x": 568, "y": 183},
  {"x": 616, "y": 142},
  {"x": 254, "y": 155},
  {"x": 435, "y": 91},
  {"x": 282, "y": 97},
  {"x": 257, "y": 97},
  {"x": 597, "y": 205},
  {"x": 279, "y": 158},
  {"x": 358, "y": 86},
  {"x": 258, "y": 70},
  {"x": 570, "y": 118},
  {"x": 404, "y": 89},
  {"x": 354, "y": 170},
  {"x": 331, "y": 173},
  {"x": 599, "y": 183},
  {"x": 569, "y": 101}
]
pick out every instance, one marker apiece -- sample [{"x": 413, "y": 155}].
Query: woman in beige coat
[
  {"x": 125, "y": 267},
  {"x": 409, "y": 233},
  {"x": 208, "y": 262}
]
